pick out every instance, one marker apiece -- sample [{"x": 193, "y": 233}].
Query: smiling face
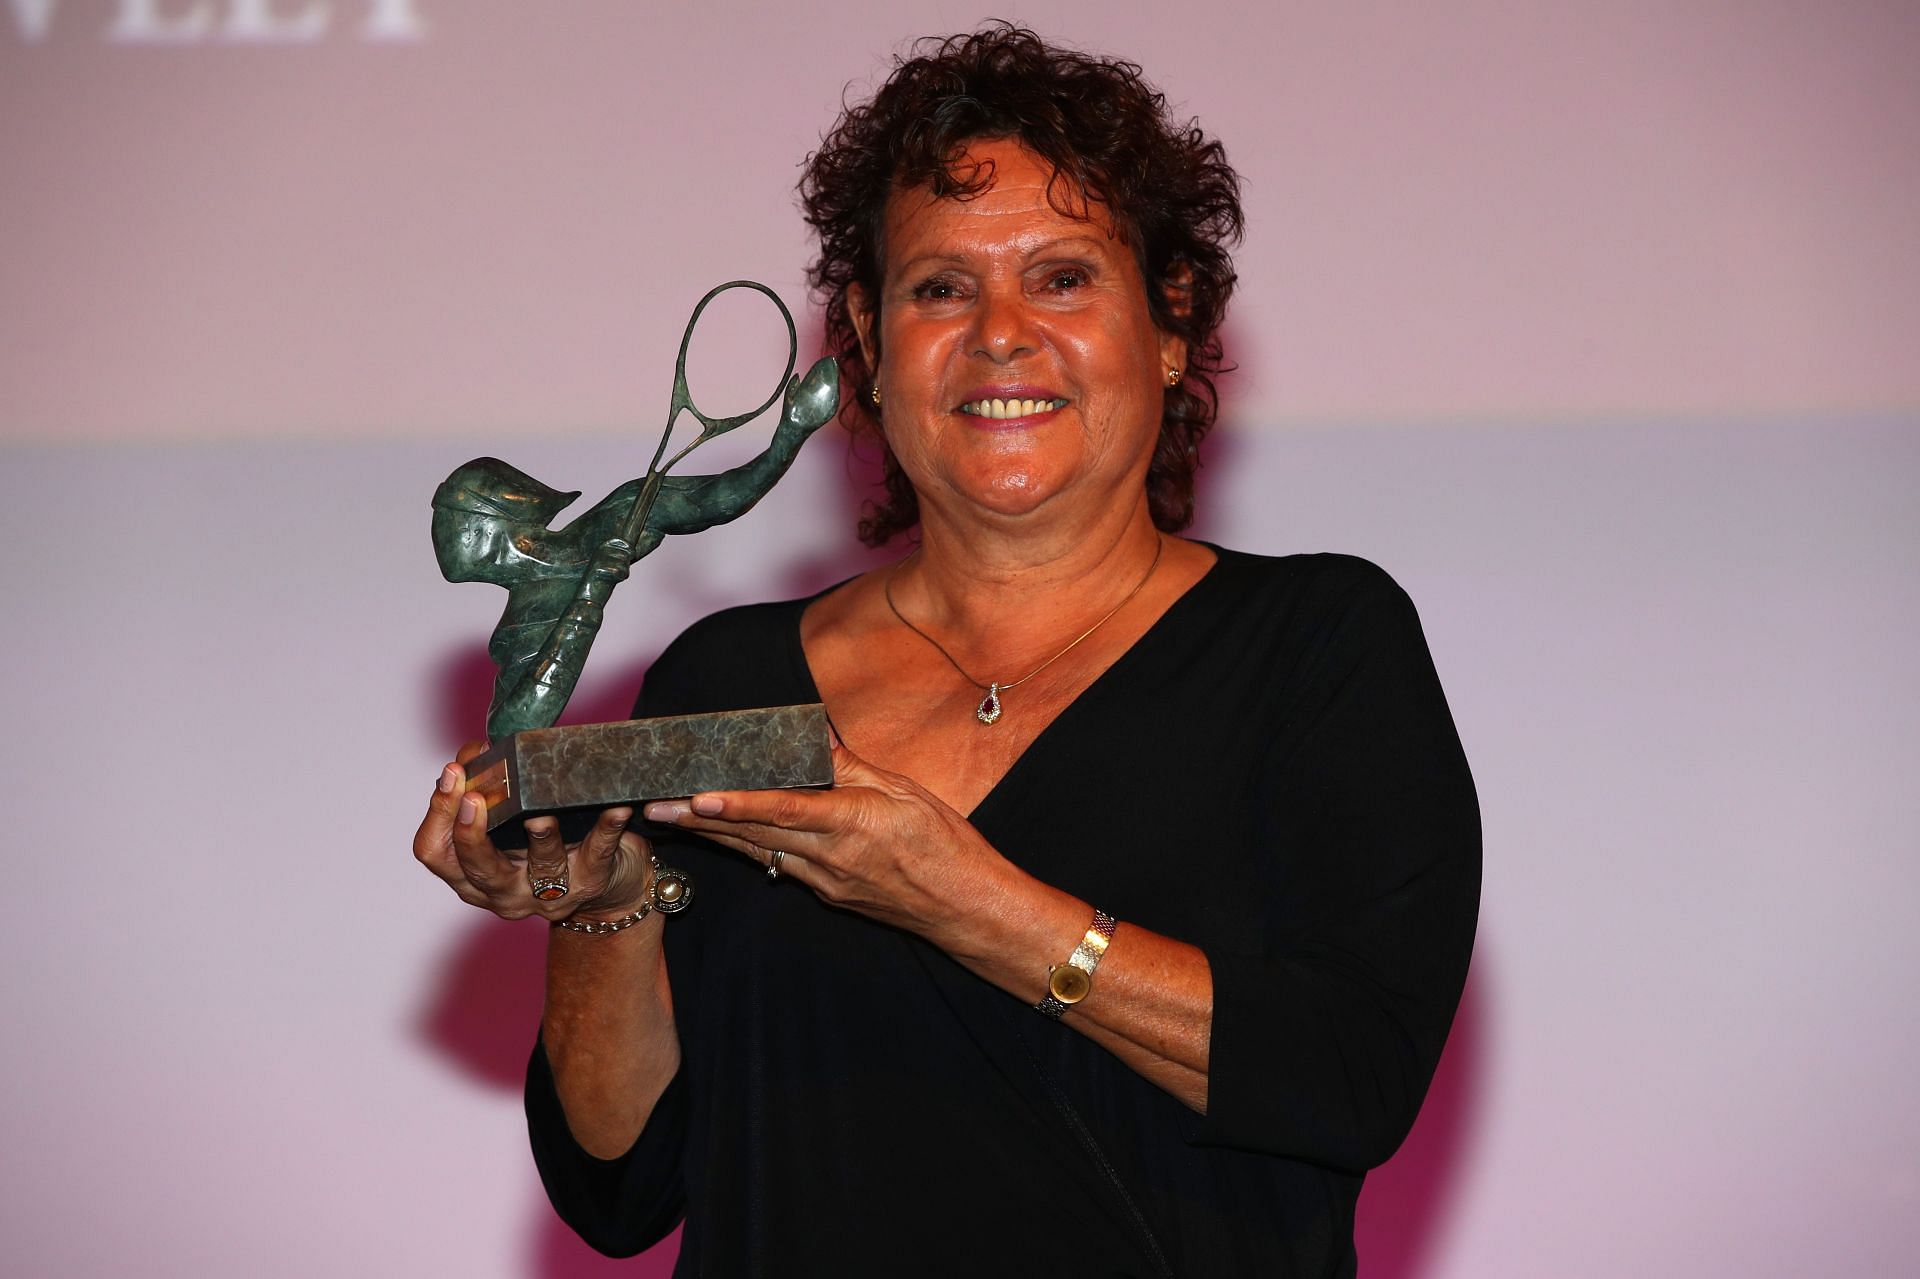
[{"x": 1019, "y": 367}]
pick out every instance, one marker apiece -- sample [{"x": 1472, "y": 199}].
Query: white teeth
[{"x": 1000, "y": 410}]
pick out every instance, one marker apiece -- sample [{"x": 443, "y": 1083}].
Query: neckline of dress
[{"x": 804, "y": 668}]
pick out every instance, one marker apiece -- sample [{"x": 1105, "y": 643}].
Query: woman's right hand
[{"x": 608, "y": 873}]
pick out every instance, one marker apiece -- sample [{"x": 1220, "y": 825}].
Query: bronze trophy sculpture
[{"x": 490, "y": 524}]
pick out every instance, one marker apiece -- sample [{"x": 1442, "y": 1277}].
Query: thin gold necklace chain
[{"x": 989, "y": 710}]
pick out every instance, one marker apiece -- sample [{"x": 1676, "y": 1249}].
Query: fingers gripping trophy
[{"x": 491, "y": 523}]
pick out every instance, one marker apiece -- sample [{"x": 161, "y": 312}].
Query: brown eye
[{"x": 936, "y": 290}]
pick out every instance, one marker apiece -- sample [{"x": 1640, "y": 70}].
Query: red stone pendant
[{"x": 989, "y": 708}]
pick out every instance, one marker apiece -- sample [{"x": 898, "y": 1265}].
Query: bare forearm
[
  {"x": 609, "y": 1032},
  {"x": 1152, "y": 1007},
  {"x": 880, "y": 844},
  {"x": 1152, "y": 999}
]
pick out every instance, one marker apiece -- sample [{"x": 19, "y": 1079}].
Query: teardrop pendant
[{"x": 989, "y": 708}]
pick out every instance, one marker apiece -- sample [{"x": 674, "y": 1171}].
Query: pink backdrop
[{"x": 1594, "y": 324}]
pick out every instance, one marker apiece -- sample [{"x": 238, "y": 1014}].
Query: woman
[{"x": 901, "y": 1029}]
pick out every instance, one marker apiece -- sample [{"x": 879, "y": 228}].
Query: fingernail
[
  {"x": 542, "y": 827},
  {"x": 666, "y": 811},
  {"x": 469, "y": 810},
  {"x": 446, "y": 780},
  {"x": 617, "y": 818},
  {"x": 707, "y": 805}
]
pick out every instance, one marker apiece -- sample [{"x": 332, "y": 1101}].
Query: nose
[{"x": 1003, "y": 326}]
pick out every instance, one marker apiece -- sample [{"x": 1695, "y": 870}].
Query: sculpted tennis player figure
[{"x": 490, "y": 524}]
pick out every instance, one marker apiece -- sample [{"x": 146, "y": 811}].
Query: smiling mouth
[{"x": 1000, "y": 410}]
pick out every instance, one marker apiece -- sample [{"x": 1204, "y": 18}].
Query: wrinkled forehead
[{"x": 994, "y": 187}]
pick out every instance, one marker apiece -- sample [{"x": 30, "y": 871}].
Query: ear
[
  {"x": 1173, "y": 355},
  {"x": 862, "y": 311}
]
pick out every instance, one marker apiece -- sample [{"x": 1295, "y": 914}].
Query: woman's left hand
[
  {"x": 881, "y": 844},
  {"x": 877, "y": 843}
]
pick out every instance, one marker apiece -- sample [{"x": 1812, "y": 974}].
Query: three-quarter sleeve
[
  {"x": 1326, "y": 1034},
  {"x": 622, "y": 1205}
]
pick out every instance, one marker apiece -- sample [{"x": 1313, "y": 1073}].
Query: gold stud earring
[
  {"x": 873, "y": 392},
  {"x": 1174, "y": 376}
]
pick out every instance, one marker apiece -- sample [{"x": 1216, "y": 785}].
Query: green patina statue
[{"x": 490, "y": 524}]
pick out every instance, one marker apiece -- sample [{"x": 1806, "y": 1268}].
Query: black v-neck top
[{"x": 1269, "y": 773}]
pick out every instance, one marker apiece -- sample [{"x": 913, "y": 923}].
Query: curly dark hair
[{"x": 1107, "y": 132}]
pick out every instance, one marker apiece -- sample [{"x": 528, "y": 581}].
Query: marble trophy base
[{"x": 577, "y": 770}]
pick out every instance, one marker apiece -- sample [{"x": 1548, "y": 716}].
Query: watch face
[{"x": 1068, "y": 984}]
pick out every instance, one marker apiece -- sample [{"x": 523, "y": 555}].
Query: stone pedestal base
[{"x": 576, "y": 771}]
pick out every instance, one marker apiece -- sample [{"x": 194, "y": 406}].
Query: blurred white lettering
[
  {"x": 30, "y": 18},
  {"x": 140, "y": 23},
  {"x": 393, "y": 20},
  {"x": 254, "y": 22},
  {"x": 178, "y": 22}
]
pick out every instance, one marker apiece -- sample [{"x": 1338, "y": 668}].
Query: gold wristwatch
[{"x": 1069, "y": 983}]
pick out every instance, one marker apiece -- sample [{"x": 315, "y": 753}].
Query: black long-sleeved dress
[{"x": 1271, "y": 773}]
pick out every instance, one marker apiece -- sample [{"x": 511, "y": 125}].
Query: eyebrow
[{"x": 922, "y": 261}]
